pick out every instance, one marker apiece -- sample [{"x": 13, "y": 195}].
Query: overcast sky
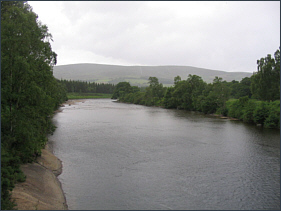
[{"x": 228, "y": 36}]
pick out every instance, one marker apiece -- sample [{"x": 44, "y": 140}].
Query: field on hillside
[{"x": 76, "y": 95}]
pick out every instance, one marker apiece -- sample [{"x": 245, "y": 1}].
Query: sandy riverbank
[{"x": 42, "y": 190}]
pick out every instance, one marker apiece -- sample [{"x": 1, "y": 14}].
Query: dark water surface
[{"x": 123, "y": 156}]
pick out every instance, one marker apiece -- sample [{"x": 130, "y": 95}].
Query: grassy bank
[{"x": 76, "y": 95}]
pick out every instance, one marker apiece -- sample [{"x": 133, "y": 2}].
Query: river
[{"x": 125, "y": 156}]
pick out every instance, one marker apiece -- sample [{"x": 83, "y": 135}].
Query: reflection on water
[{"x": 123, "y": 156}]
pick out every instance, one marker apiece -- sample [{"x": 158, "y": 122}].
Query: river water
[{"x": 124, "y": 156}]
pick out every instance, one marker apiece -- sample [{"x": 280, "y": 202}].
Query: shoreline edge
[{"x": 42, "y": 190}]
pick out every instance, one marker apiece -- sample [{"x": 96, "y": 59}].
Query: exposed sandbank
[{"x": 42, "y": 190}]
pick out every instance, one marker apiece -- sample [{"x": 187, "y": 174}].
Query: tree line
[
  {"x": 87, "y": 87},
  {"x": 254, "y": 99},
  {"x": 29, "y": 91}
]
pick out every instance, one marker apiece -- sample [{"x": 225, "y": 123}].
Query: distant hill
[{"x": 138, "y": 75}]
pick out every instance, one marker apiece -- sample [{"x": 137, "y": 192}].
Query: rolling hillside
[{"x": 138, "y": 75}]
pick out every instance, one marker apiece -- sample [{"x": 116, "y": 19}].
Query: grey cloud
[{"x": 228, "y": 36}]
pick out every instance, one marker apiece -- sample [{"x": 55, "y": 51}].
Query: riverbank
[
  {"x": 224, "y": 117},
  {"x": 161, "y": 106},
  {"x": 42, "y": 190}
]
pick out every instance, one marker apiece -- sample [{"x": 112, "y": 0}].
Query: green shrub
[
  {"x": 273, "y": 119},
  {"x": 10, "y": 174},
  {"x": 261, "y": 112},
  {"x": 248, "y": 115},
  {"x": 234, "y": 108}
]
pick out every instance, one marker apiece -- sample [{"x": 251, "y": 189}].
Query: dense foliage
[
  {"x": 87, "y": 87},
  {"x": 29, "y": 92},
  {"x": 254, "y": 100},
  {"x": 266, "y": 81},
  {"x": 255, "y": 111}
]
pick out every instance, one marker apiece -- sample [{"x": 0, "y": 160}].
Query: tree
[
  {"x": 245, "y": 87},
  {"x": 197, "y": 86},
  {"x": 177, "y": 79},
  {"x": 155, "y": 89},
  {"x": 169, "y": 101},
  {"x": 29, "y": 91},
  {"x": 121, "y": 89},
  {"x": 240, "y": 89},
  {"x": 221, "y": 92},
  {"x": 266, "y": 81},
  {"x": 180, "y": 94}
]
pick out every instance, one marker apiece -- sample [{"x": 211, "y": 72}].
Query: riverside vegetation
[
  {"x": 87, "y": 90},
  {"x": 253, "y": 100},
  {"x": 29, "y": 92}
]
